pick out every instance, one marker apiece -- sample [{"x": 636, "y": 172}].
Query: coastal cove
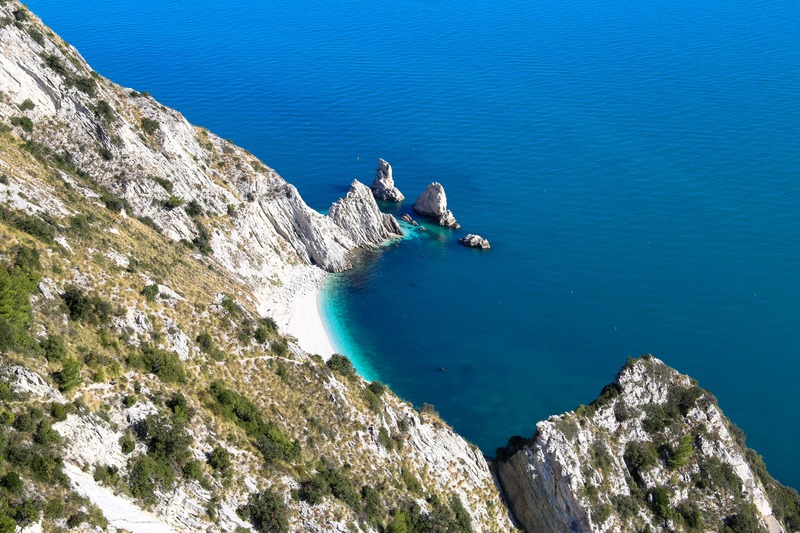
[{"x": 634, "y": 167}]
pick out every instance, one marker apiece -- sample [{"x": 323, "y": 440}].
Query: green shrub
[
  {"x": 105, "y": 112},
  {"x": 279, "y": 346},
  {"x": 165, "y": 183},
  {"x": 69, "y": 376},
  {"x": 746, "y": 520},
  {"x": 205, "y": 342},
  {"x": 377, "y": 388},
  {"x": 275, "y": 445},
  {"x": 203, "y": 239},
  {"x": 22, "y": 122},
  {"x": 236, "y": 407},
  {"x": 17, "y": 283},
  {"x": 27, "y": 105},
  {"x": 179, "y": 406},
  {"x": 107, "y": 155},
  {"x": 166, "y": 365},
  {"x": 682, "y": 453},
  {"x": 54, "y": 347},
  {"x": 173, "y": 202},
  {"x": 268, "y": 512},
  {"x": 45, "y": 434},
  {"x": 640, "y": 457},
  {"x": 150, "y": 292},
  {"x": 59, "y": 411},
  {"x": 127, "y": 444},
  {"x": 145, "y": 475},
  {"x": 341, "y": 365},
  {"x": 193, "y": 208},
  {"x": 373, "y": 401},
  {"x": 691, "y": 515},
  {"x": 654, "y": 421},
  {"x": 385, "y": 439},
  {"x": 107, "y": 475},
  {"x": 219, "y": 459},
  {"x": 90, "y": 309},
  {"x": 84, "y": 84},
  {"x": 12, "y": 483},
  {"x": 193, "y": 470},
  {"x": 314, "y": 490},
  {"x": 659, "y": 503},
  {"x": 504, "y": 453},
  {"x": 150, "y": 126}
]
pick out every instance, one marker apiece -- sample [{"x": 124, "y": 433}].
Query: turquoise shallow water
[{"x": 634, "y": 165}]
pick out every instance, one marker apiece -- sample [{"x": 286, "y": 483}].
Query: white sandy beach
[{"x": 296, "y": 310}]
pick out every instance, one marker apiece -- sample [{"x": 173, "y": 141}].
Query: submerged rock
[
  {"x": 406, "y": 217},
  {"x": 475, "y": 241},
  {"x": 433, "y": 202},
  {"x": 383, "y": 187}
]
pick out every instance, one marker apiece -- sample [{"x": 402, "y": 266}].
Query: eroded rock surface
[
  {"x": 433, "y": 203},
  {"x": 383, "y": 186}
]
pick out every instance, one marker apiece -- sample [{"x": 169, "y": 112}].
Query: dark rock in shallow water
[
  {"x": 383, "y": 186},
  {"x": 433, "y": 202},
  {"x": 474, "y": 241},
  {"x": 406, "y": 217}
]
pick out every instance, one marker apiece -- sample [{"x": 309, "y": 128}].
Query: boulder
[
  {"x": 433, "y": 202},
  {"x": 474, "y": 241},
  {"x": 383, "y": 187},
  {"x": 407, "y": 218}
]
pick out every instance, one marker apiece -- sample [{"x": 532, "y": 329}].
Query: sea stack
[
  {"x": 383, "y": 187},
  {"x": 433, "y": 202},
  {"x": 474, "y": 241}
]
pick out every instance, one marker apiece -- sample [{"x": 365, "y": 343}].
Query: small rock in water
[
  {"x": 408, "y": 219},
  {"x": 475, "y": 241}
]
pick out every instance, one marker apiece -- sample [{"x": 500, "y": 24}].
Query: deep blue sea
[{"x": 635, "y": 165}]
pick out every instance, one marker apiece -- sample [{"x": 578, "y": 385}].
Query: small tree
[{"x": 268, "y": 512}]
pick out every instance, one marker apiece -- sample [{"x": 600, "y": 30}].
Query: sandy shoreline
[{"x": 298, "y": 313}]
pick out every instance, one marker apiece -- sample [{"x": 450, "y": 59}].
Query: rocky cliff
[
  {"x": 654, "y": 451},
  {"x": 142, "y": 385}
]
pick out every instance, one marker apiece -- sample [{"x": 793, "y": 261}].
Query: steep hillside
[
  {"x": 144, "y": 385},
  {"x": 653, "y": 452}
]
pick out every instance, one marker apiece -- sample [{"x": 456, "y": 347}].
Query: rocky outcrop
[
  {"x": 358, "y": 216},
  {"x": 383, "y": 187},
  {"x": 433, "y": 203},
  {"x": 475, "y": 241},
  {"x": 652, "y": 436}
]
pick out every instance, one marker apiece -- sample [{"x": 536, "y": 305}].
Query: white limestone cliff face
[
  {"x": 433, "y": 203},
  {"x": 571, "y": 475},
  {"x": 383, "y": 186},
  {"x": 358, "y": 215}
]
